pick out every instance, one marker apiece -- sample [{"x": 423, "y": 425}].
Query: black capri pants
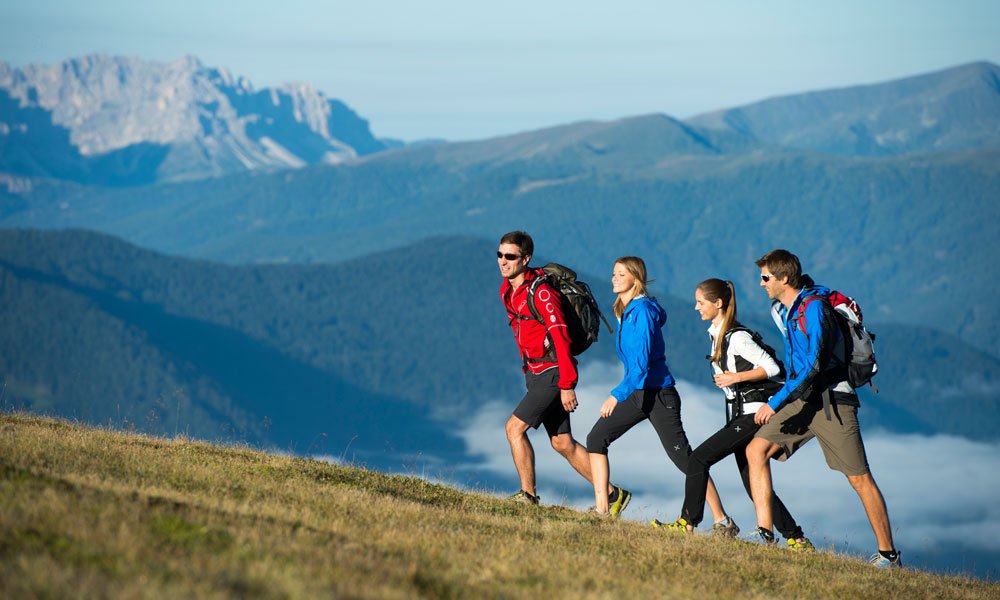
[
  {"x": 731, "y": 439},
  {"x": 662, "y": 406}
]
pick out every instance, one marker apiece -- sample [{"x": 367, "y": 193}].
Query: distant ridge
[
  {"x": 117, "y": 120},
  {"x": 623, "y": 144},
  {"x": 952, "y": 109}
]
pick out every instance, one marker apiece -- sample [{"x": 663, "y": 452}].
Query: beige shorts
[{"x": 839, "y": 437}]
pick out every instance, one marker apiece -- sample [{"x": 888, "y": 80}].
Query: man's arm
[{"x": 820, "y": 335}]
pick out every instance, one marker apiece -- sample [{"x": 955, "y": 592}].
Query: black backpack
[
  {"x": 583, "y": 316},
  {"x": 750, "y": 391}
]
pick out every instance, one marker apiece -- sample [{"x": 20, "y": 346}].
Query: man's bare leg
[
  {"x": 874, "y": 503},
  {"x": 523, "y": 453},
  {"x": 759, "y": 454},
  {"x": 574, "y": 453}
]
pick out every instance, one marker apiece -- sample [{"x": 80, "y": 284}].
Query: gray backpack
[{"x": 859, "y": 343}]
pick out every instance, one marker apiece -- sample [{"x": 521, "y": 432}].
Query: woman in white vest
[{"x": 748, "y": 373}]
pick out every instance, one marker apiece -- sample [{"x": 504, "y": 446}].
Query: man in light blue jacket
[{"x": 815, "y": 401}]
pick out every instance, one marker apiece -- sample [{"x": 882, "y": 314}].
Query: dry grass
[{"x": 93, "y": 513}]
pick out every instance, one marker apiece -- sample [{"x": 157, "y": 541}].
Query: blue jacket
[
  {"x": 640, "y": 348},
  {"x": 808, "y": 355}
]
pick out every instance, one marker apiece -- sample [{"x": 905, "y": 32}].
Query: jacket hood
[
  {"x": 809, "y": 288},
  {"x": 650, "y": 305}
]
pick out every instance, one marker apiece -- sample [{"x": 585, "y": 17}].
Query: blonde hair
[
  {"x": 636, "y": 268},
  {"x": 717, "y": 289}
]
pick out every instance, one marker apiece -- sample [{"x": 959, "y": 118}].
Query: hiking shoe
[
  {"x": 524, "y": 497},
  {"x": 804, "y": 546},
  {"x": 727, "y": 529},
  {"x": 618, "y": 500},
  {"x": 761, "y": 536},
  {"x": 880, "y": 562},
  {"x": 678, "y": 526}
]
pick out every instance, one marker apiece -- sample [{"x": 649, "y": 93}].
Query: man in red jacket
[{"x": 549, "y": 370}]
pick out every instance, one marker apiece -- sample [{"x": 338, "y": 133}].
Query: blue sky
[{"x": 466, "y": 70}]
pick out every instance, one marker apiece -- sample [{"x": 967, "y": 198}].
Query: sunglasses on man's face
[
  {"x": 766, "y": 278},
  {"x": 508, "y": 256}
]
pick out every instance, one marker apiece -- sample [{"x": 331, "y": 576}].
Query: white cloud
[{"x": 940, "y": 490}]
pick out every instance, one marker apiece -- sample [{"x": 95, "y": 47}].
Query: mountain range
[
  {"x": 911, "y": 235},
  {"x": 124, "y": 121},
  {"x": 367, "y": 275}
]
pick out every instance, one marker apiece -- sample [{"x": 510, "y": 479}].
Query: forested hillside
[
  {"x": 384, "y": 347},
  {"x": 913, "y": 235}
]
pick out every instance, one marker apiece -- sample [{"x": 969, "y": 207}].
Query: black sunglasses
[
  {"x": 508, "y": 256},
  {"x": 766, "y": 278}
]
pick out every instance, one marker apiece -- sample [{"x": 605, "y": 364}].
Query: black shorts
[{"x": 543, "y": 403}]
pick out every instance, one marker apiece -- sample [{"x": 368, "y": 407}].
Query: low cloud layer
[{"x": 941, "y": 490}]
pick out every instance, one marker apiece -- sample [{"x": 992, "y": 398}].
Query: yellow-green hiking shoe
[
  {"x": 524, "y": 497},
  {"x": 804, "y": 546},
  {"x": 678, "y": 526},
  {"x": 618, "y": 500}
]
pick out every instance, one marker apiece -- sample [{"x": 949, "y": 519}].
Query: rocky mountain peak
[{"x": 211, "y": 121}]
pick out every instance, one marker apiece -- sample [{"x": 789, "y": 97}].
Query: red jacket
[{"x": 530, "y": 334}]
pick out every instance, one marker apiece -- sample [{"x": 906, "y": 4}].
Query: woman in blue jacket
[{"x": 646, "y": 391}]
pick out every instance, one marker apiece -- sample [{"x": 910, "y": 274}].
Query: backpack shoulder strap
[
  {"x": 839, "y": 319},
  {"x": 724, "y": 354},
  {"x": 800, "y": 316},
  {"x": 532, "y": 289}
]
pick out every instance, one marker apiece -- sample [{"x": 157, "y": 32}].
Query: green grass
[{"x": 89, "y": 512}]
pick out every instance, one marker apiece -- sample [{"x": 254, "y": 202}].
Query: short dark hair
[
  {"x": 782, "y": 264},
  {"x": 520, "y": 239}
]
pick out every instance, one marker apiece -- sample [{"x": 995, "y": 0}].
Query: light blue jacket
[
  {"x": 808, "y": 355},
  {"x": 640, "y": 347}
]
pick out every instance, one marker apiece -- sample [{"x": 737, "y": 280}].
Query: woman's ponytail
[{"x": 716, "y": 289}]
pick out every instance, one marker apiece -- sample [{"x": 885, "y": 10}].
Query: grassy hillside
[{"x": 94, "y": 513}]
